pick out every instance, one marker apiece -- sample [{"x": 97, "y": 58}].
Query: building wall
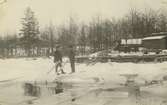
[
  {"x": 155, "y": 44},
  {"x": 129, "y": 48}
]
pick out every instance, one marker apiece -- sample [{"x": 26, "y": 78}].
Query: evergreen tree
[{"x": 29, "y": 32}]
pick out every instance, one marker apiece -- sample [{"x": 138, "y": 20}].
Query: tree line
[{"x": 99, "y": 34}]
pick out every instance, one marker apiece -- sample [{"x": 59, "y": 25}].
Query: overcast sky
[{"x": 58, "y": 11}]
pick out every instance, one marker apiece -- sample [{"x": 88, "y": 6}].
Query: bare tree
[
  {"x": 51, "y": 33},
  {"x": 83, "y": 39}
]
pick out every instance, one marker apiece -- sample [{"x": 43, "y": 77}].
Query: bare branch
[
  {"x": 164, "y": 2},
  {"x": 3, "y": 1}
]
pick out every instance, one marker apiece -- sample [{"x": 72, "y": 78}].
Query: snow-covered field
[{"x": 23, "y": 69}]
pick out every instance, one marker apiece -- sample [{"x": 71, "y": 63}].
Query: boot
[{"x": 62, "y": 72}]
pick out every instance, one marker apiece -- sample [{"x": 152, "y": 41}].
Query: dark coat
[
  {"x": 57, "y": 56},
  {"x": 72, "y": 54}
]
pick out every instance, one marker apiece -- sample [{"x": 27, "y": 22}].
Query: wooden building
[{"x": 155, "y": 42}]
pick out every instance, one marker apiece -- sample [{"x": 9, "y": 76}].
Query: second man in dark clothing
[{"x": 72, "y": 58}]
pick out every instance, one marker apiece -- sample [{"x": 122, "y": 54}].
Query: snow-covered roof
[
  {"x": 154, "y": 37},
  {"x": 160, "y": 33},
  {"x": 131, "y": 41}
]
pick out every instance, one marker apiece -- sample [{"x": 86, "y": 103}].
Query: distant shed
[
  {"x": 128, "y": 45},
  {"x": 155, "y": 42}
]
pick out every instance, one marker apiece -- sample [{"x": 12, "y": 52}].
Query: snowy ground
[{"x": 37, "y": 70}]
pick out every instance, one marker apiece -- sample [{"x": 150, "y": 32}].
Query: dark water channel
[{"x": 39, "y": 89}]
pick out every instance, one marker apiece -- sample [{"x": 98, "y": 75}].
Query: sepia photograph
[{"x": 83, "y": 52}]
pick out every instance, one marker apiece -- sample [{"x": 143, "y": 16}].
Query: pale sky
[{"x": 58, "y": 11}]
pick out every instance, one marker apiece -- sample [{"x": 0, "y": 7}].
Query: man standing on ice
[
  {"x": 58, "y": 60},
  {"x": 72, "y": 58}
]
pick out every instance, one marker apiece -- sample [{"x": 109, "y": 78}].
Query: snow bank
[{"x": 29, "y": 69}]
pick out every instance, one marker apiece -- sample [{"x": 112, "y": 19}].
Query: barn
[{"x": 155, "y": 42}]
